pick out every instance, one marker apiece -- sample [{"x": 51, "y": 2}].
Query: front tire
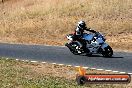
[
  {"x": 74, "y": 51},
  {"x": 108, "y": 52},
  {"x": 72, "y": 48}
]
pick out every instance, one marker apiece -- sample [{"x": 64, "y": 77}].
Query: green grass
[{"x": 18, "y": 74}]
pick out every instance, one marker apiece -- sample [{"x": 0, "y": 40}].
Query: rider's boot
[{"x": 86, "y": 50}]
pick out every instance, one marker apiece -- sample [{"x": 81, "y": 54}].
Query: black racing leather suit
[{"x": 79, "y": 34}]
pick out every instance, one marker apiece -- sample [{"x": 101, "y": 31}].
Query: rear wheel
[{"x": 108, "y": 52}]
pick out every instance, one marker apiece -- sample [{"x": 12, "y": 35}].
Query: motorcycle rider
[{"x": 79, "y": 31}]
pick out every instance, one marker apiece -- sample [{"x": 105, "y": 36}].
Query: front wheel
[
  {"x": 108, "y": 52},
  {"x": 74, "y": 51},
  {"x": 72, "y": 48}
]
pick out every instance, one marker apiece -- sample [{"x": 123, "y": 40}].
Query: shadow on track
[
  {"x": 116, "y": 57},
  {"x": 102, "y": 56}
]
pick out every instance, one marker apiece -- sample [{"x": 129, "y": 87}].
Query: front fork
[
  {"x": 104, "y": 46},
  {"x": 77, "y": 47}
]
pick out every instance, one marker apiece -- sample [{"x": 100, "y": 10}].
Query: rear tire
[{"x": 108, "y": 52}]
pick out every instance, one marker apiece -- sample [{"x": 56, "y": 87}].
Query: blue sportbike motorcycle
[{"x": 94, "y": 43}]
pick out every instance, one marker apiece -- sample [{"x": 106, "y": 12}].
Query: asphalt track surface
[{"x": 121, "y": 61}]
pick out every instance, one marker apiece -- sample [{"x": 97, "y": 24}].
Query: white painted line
[
  {"x": 76, "y": 66},
  {"x": 93, "y": 68},
  {"x": 130, "y": 73},
  {"x": 27, "y": 60},
  {"x": 43, "y": 62},
  {"x": 115, "y": 71},
  {"x": 100, "y": 69},
  {"x": 34, "y": 61},
  {"x": 53, "y": 63},
  {"x": 60, "y": 64},
  {"x": 85, "y": 67},
  {"x": 122, "y": 72},
  {"x": 69, "y": 65},
  {"x": 108, "y": 70}
]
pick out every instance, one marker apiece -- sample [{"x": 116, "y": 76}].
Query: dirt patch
[
  {"x": 122, "y": 42},
  {"x": 54, "y": 70},
  {"x": 60, "y": 71}
]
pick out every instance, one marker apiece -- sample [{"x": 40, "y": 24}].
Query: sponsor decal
[{"x": 83, "y": 78}]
